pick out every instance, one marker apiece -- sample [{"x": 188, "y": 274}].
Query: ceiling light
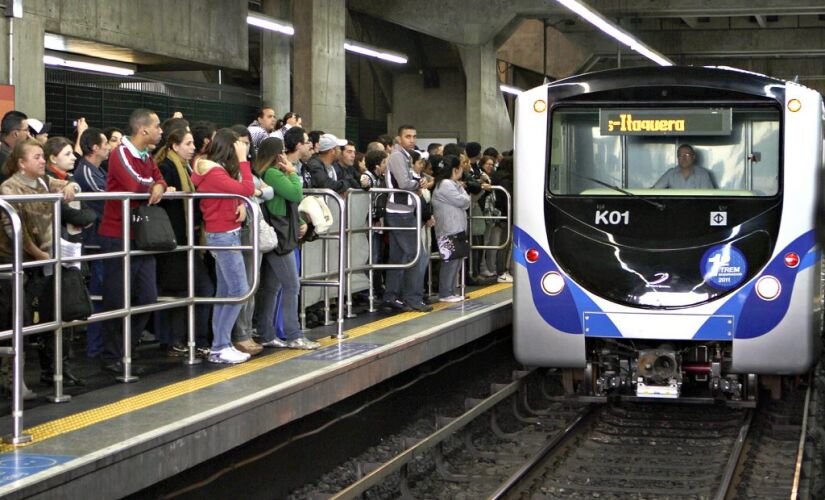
[
  {"x": 88, "y": 63},
  {"x": 363, "y": 49},
  {"x": 507, "y": 89},
  {"x": 607, "y": 26},
  {"x": 269, "y": 23}
]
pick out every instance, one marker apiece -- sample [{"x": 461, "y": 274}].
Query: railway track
[{"x": 673, "y": 451}]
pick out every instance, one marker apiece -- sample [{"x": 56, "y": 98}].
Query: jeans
[
  {"x": 492, "y": 237},
  {"x": 405, "y": 284},
  {"x": 243, "y": 328},
  {"x": 229, "y": 268},
  {"x": 446, "y": 277},
  {"x": 143, "y": 290},
  {"x": 94, "y": 331},
  {"x": 280, "y": 274}
]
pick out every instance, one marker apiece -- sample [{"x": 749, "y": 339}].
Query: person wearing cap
[
  {"x": 320, "y": 166},
  {"x": 39, "y": 130}
]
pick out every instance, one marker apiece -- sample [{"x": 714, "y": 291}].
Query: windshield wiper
[{"x": 659, "y": 206}]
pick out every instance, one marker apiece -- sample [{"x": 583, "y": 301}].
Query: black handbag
[
  {"x": 286, "y": 227},
  {"x": 75, "y": 300},
  {"x": 152, "y": 229},
  {"x": 453, "y": 246}
]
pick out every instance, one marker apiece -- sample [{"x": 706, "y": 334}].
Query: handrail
[
  {"x": 17, "y": 437},
  {"x": 508, "y": 218},
  {"x": 370, "y": 230},
  {"x": 57, "y": 324},
  {"x": 342, "y": 245}
]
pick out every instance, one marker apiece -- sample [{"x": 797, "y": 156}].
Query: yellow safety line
[{"x": 128, "y": 405}]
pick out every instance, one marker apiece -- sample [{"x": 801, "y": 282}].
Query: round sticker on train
[{"x": 724, "y": 267}]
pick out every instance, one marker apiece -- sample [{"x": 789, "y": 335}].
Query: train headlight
[
  {"x": 540, "y": 106},
  {"x": 794, "y": 105},
  {"x": 552, "y": 283},
  {"x": 532, "y": 255},
  {"x": 768, "y": 288}
]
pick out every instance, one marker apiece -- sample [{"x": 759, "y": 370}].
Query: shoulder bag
[
  {"x": 453, "y": 246},
  {"x": 152, "y": 229}
]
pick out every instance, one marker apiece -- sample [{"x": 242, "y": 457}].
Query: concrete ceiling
[{"x": 783, "y": 38}]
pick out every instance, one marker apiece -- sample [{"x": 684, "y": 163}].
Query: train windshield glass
[{"x": 668, "y": 151}]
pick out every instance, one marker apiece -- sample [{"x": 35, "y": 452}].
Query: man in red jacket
[{"x": 131, "y": 169}]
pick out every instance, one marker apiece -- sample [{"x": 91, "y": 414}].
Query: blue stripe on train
[{"x": 754, "y": 316}]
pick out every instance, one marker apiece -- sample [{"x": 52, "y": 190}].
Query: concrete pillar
[
  {"x": 276, "y": 55},
  {"x": 319, "y": 73},
  {"x": 487, "y": 120},
  {"x": 28, "y": 72}
]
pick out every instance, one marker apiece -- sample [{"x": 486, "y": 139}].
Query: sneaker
[
  {"x": 276, "y": 342},
  {"x": 303, "y": 343},
  {"x": 452, "y": 298},
  {"x": 248, "y": 346},
  {"x": 177, "y": 351},
  {"x": 422, "y": 307},
  {"x": 228, "y": 355},
  {"x": 202, "y": 352},
  {"x": 486, "y": 274},
  {"x": 505, "y": 278}
]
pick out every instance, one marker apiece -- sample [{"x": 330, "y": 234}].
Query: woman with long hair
[
  {"x": 450, "y": 204},
  {"x": 280, "y": 272},
  {"x": 25, "y": 170},
  {"x": 172, "y": 269},
  {"x": 224, "y": 169}
]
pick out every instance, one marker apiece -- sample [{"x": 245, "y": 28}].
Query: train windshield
[{"x": 665, "y": 151}]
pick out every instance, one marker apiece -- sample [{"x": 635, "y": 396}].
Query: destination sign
[{"x": 673, "y": 121}]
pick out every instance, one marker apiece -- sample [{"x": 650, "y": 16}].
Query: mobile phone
[{"x": 74, "y": 123}]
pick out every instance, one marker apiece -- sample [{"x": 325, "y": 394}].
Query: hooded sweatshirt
[{"x": 219, "y": 213}]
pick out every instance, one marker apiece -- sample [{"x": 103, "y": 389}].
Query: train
[{"x": 664, "y": 231}]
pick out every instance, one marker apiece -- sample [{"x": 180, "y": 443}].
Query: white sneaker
[
  {"x": 505, "y": 278},
  {"x": 228, "y": 355},
  {"x": 451, "y": 298}
]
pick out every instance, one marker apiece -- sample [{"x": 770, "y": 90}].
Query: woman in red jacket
[{"x": 225, "y": 170}]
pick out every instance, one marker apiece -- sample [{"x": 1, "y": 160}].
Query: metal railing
[
  {"x": 322, "y": 279},
  {"x": 508, "y": 235},
  {"x": 370, "y": 267},
  {"x": 17, "y": 266}
]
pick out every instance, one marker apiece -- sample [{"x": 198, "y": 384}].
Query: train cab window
[{"x": 596, "y": 150}]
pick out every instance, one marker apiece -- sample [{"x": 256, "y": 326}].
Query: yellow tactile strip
[{"x": 90, "y": 417}]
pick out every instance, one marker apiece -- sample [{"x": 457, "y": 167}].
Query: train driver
[{"x": 687, "y": 175}]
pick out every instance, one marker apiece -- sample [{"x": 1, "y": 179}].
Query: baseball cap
[
  {"x": 38, "y": 127},
  {"x": 329, "y": 141}
]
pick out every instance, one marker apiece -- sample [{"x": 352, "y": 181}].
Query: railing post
[
  {"x": 57, "y": 376},
  {"x": 17, "y": 437},
  {"x": 127, "y": 295},
  {"x": 342, "y": 246},
  {"x": 371, "y": 256},
  {"x": 191, "y": 358},
  {"x": 349, "y": 262}
]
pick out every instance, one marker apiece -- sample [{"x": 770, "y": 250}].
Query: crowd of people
[{"x": 270, "y": 162}]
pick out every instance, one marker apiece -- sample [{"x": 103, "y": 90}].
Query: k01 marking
[{"x": 612, "y": 217}]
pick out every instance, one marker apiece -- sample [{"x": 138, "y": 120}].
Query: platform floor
[{"x": 119, "y": 439}]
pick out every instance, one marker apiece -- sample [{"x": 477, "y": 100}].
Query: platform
[{"x": 123, "y": 438}]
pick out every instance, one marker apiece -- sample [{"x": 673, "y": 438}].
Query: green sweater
[{"x": 286, "y": 187}]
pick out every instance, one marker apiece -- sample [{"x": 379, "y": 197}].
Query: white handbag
[{"x": 267, "y": 238}]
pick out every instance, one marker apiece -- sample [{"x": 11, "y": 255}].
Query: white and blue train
[{"x": 658, "y": 288}]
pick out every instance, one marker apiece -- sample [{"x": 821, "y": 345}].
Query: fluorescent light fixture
[
  {"x": 385, "y": 55},
  {"x": 270, "y": 23},
  {"x": 607, "y": 26},
  {"x": 286, "y": 28},
  {"x": 88, "y": 63},
  {"x": 507, "y": 89}
]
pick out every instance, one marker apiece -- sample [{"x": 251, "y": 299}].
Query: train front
[{"x": 674, "y": 243}]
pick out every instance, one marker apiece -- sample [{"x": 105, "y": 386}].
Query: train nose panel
[{"x": 660, "y": 278}]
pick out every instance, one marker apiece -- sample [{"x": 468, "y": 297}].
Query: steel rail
[
  {"x": 381, "y": 473},
  {"x": 797, "y": 475},
  {"x": 733, "y": 459},
  {"x": 537, "y": 458}
]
